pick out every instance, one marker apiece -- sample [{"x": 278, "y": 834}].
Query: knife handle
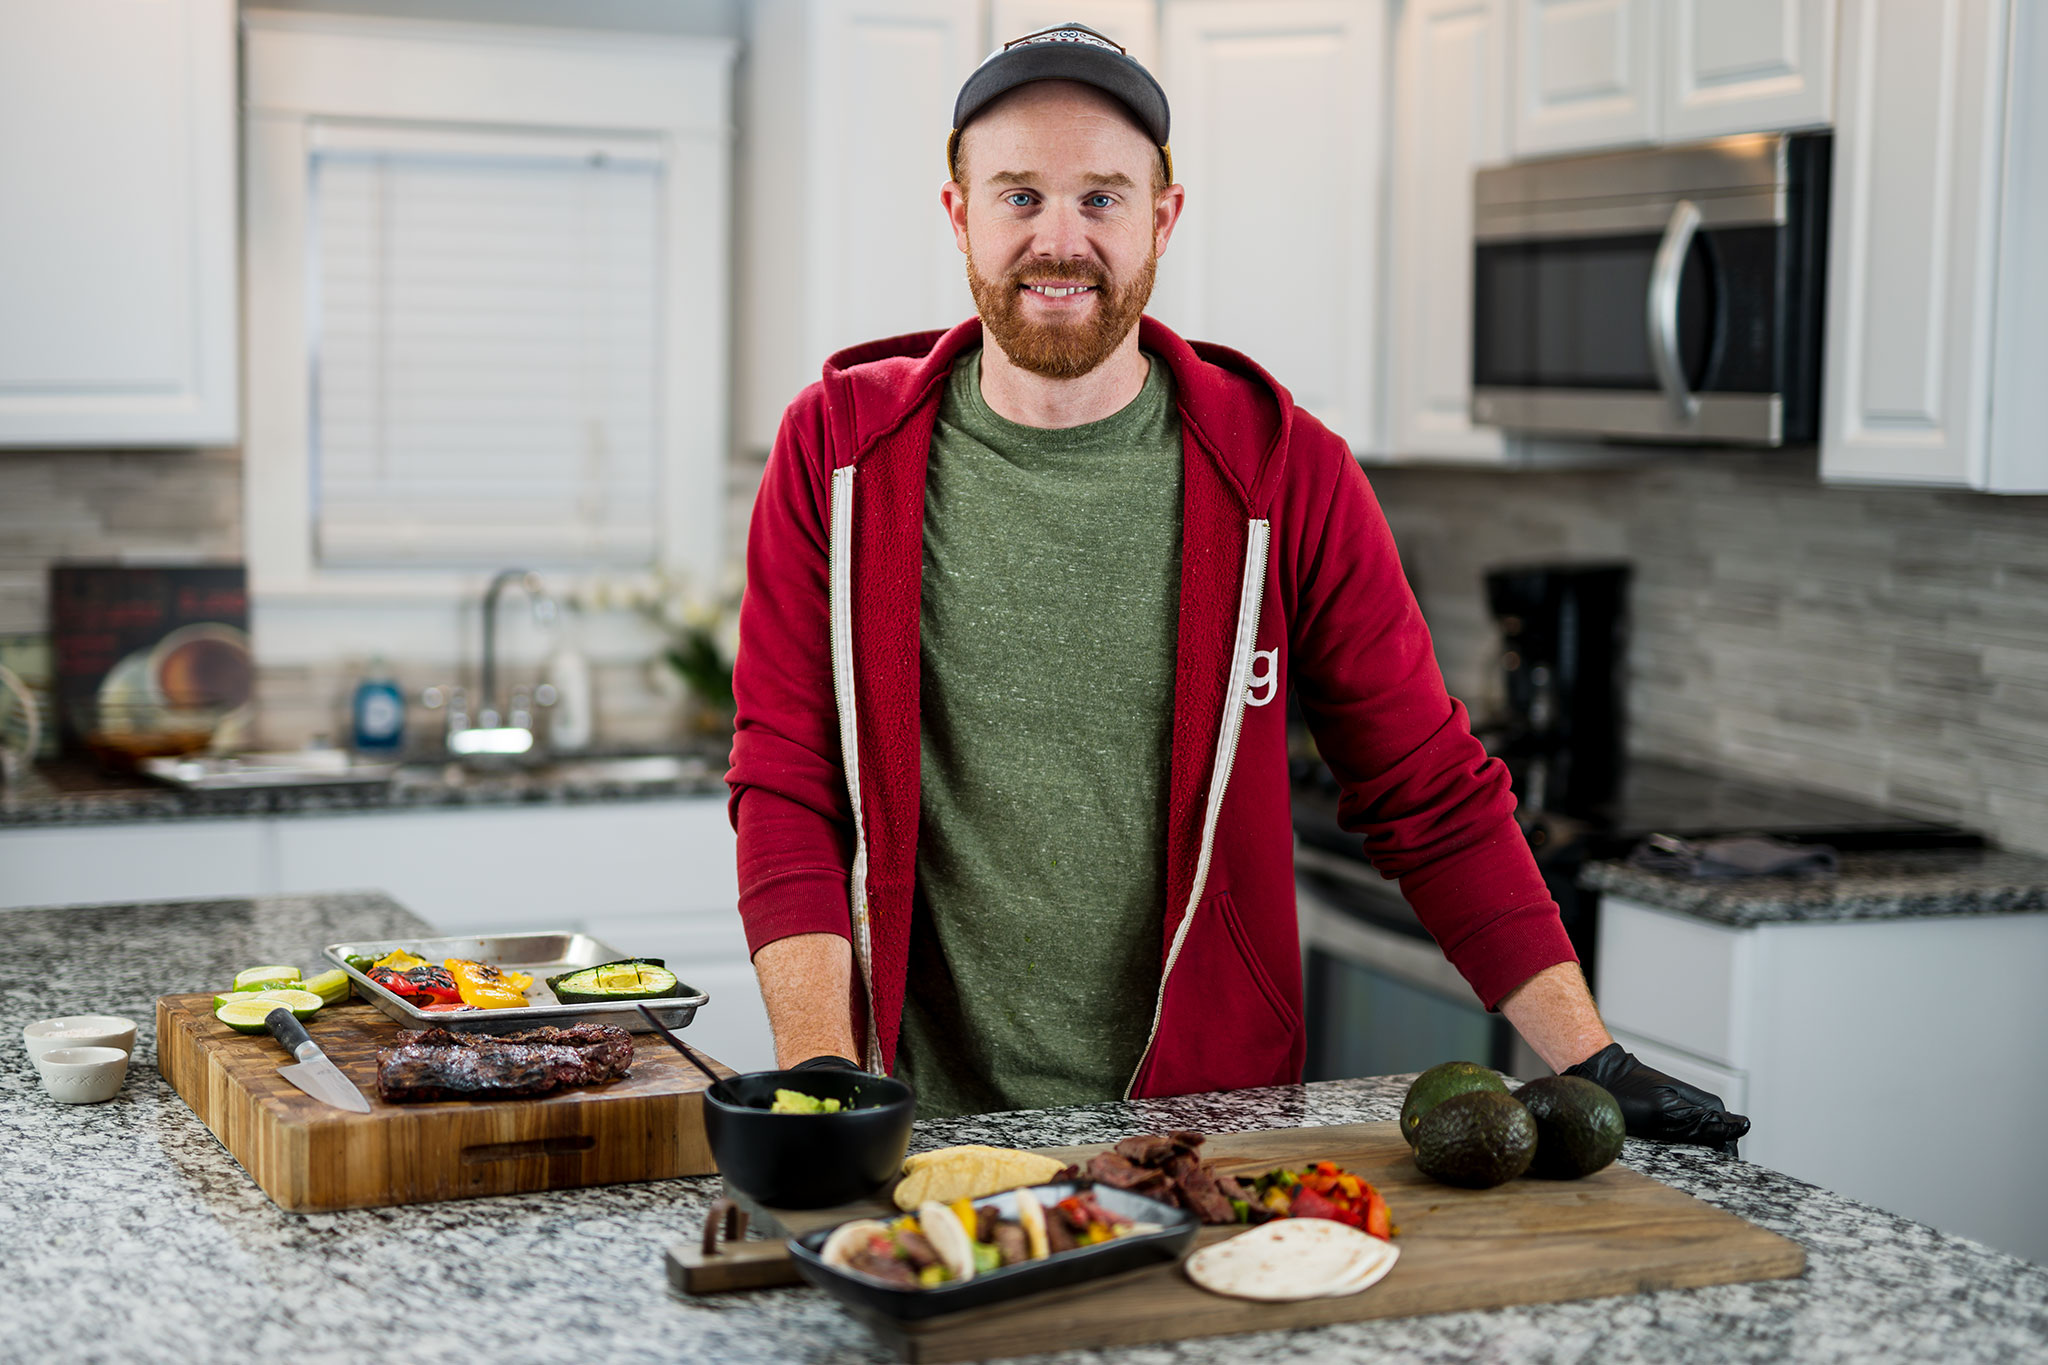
[{"x": 286, "y": 1028}]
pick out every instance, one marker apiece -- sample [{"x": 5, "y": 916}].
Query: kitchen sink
[{"x": 629, "y": 771}]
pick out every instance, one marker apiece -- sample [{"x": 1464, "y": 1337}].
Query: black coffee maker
[{"x": 1564, "y": 639}]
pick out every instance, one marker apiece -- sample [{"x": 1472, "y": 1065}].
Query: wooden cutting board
[
  {"x": 310, "y": 1156},
  {"x": 1529, "y": 1241}
]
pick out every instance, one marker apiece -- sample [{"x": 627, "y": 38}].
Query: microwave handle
[{"x": 1661, "y": 308}]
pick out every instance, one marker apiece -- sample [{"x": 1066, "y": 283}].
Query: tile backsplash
[{"x": 1886, "y": 644}]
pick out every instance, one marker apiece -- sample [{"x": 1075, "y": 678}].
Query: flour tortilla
[
  {"x": 949, "y": 1238},
  {"x": 1031, "y": 1217},
  {"x": 1293, "y": 1258},
  {"x": 848, "y": 1238}
]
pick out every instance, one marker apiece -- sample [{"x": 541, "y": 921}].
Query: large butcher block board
[
  {"x": 1529, "y": 1241},
  {"x": 311, "y": 1156}
]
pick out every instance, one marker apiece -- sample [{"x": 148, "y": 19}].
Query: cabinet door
[
  {"x": 117, "y": 242},
  {"x": 1912, "y": 242},
  {"x": 1134, "y": 23},
  {"x": 1744, "y": 66},
  {"x": 845, "y": 240},
  {"x": 1450, "y": 70},
  {"x": 1585, "y": 74},
  {"x": 1277, "y": 136},
  {"x": 549, "y": 867},
  {"x": 154, "y": 861}
]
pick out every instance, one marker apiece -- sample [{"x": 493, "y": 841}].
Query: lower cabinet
[
  {"x": 1890, "y": 1060},
  {"x": 650, "y": 878}
]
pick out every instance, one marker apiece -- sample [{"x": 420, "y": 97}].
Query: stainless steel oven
[{"x": 1667, "y": 294}]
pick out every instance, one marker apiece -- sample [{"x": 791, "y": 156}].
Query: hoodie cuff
[{"x": 1497, "y": 959}]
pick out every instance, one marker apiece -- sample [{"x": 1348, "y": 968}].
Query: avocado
[
  {"x": 1438, "y": 1084},
  {"x": 1479, "y": 1139},
  {"x": 1578, "y": 1126}
]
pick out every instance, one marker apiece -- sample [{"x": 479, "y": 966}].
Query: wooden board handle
[
  {"x": 718, "y": 1261},
  {"x": 513, "y": 1151}
]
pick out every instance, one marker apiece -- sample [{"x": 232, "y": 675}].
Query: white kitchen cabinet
[
  {"x": 1939, "y": 205},
  {"x": 1585, "y": 75},
  {"x": 1252, "y": 84},
  {"x": 117, "y": 239},
  {"x": 1744, "y": 66},
  {"x": 1133, "y": 23},
  {"x": 843, "y": 238},
  {"x": 1450, "y": 78},
  {"x": 150, "y": 861},
  {"x": 1863, "y": 1051}
]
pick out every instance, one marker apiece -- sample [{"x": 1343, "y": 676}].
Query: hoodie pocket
[{"x": 1226, "y": 1025}]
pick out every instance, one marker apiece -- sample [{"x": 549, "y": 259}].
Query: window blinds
[{"x": 485, "y": 343}]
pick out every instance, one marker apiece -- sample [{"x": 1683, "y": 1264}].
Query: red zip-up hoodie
[{"x": 1288, "y": 577}]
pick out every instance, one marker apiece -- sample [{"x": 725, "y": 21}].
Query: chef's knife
[{"x": 314, "y": 1074}]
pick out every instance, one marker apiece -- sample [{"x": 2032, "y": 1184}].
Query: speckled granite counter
[
  {"x": 1904, "y": 885},
  {"x": 62, "y": 796},
  {"x": 131, "y": 1235}
]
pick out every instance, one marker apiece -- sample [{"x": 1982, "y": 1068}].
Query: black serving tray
[{"x": 1177, "y": 1228}]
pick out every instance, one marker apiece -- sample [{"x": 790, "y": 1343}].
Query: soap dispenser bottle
[
  {"x": 378, "y": 712},
  {"x": 568, "y": 672}
]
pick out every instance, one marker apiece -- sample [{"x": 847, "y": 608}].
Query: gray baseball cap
[{"x": 1068, "y": 52}]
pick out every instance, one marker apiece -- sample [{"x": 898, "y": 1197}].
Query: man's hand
[{"x": 1660, "y": 1107}]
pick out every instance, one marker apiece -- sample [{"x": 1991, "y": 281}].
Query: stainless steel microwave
[{"x": 1671, "y": 294}]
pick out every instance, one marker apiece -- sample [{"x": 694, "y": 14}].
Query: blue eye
[
  {"x": 1101, "y": 201},
  {"x": 1017, "y": 199}
]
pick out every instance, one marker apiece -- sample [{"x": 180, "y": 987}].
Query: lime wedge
[
  {"x": 331, "y": 987},
  {"x": 303, "y": 1004},
  {"x": 246, "y": 1013},
  {"x": 256, "y": 978},
  {"x": 283, "y": 983}
]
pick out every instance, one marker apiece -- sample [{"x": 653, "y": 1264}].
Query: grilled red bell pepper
[
  {"x": 435, "y": 985},
  {"x": 394, "y": 982}
]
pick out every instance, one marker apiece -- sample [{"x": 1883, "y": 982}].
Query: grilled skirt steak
[{"x": 435, "y": 1064}]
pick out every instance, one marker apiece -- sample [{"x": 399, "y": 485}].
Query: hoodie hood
[{"x": 1239, "y": 415}]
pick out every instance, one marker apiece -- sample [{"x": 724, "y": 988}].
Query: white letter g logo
[{"x": 1265, "y": 677}]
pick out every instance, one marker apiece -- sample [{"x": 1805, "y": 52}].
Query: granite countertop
[
  {"x": 131, "y": 1234},
  {"x": 1866, "y": 886},
  {"x": 67, "y": 793}
]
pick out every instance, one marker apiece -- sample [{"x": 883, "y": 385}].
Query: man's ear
[
  {"x": 954, "y": 197},
  {"x": 1166, "y": 208}
]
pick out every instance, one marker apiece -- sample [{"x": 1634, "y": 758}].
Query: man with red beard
[{"x": 1023, "y": 601}]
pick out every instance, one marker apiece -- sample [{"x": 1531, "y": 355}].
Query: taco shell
[{"x": 970, "y": 1173}]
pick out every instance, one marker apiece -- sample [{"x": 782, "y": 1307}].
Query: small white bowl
[
  {"x": 83, "y": 1075},
  {"x": 78, "y": 1030}
]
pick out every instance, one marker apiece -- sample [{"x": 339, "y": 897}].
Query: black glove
[
  {"x": 1660, "y": 1107},
  {"x": 828, "y": 1062}
]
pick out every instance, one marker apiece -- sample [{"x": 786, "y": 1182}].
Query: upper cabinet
[
  {"x": 843, "y": 238},
  {"x": 1936, "y": 294},
  {"x": 1593, "y": 74},
  {"x": 117, "y": 242},
  {"x": 1450, "y": 72},
  {"x": 1585, "y": 74},
  {"x": 1744, "y": 66},
  {"x": 1273, "y": 101}
]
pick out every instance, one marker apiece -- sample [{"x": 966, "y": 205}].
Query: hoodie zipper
[
  {"x": 839, "y": 566},
  {"x": 1251, "y": 595}
]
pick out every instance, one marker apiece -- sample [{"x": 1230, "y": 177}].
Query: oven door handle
[{"x": 1661, "y": 308}]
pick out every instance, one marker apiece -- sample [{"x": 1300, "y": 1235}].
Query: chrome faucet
[{"x": 509, "y": 731}]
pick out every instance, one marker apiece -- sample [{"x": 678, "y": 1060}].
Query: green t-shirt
[{"x": 1050, "y": 604}]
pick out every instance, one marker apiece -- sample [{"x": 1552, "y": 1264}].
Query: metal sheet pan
[
  {"x": 541, "y": 955},
  {"x": 248, "y": 772}
]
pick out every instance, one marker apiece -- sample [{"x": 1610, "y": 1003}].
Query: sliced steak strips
[{"x": 436, "y": 1064}]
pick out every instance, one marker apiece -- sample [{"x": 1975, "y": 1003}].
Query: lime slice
[
  {"x": 331, "y": 987},
  {"x": 303, "y": 1004},
  {"x": 283, "y": 983},
  {"x": 256, "y": 978},
  {"x": 246, "y": 1013}
]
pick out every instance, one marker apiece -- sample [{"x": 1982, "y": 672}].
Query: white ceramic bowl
[
  {"x": 83, "y": 1075},
  {"x": 78, "y": 1030}
]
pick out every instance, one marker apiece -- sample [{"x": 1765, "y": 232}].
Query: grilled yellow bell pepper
[
  {"x": 399, "y": 960},
  {"x": 486, "y": 987}
]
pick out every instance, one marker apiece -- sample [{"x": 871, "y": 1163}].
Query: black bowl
[{"x": 809, "y": 1161}]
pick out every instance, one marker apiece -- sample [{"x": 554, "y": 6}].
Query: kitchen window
[{"x": 486, "y": 284}]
